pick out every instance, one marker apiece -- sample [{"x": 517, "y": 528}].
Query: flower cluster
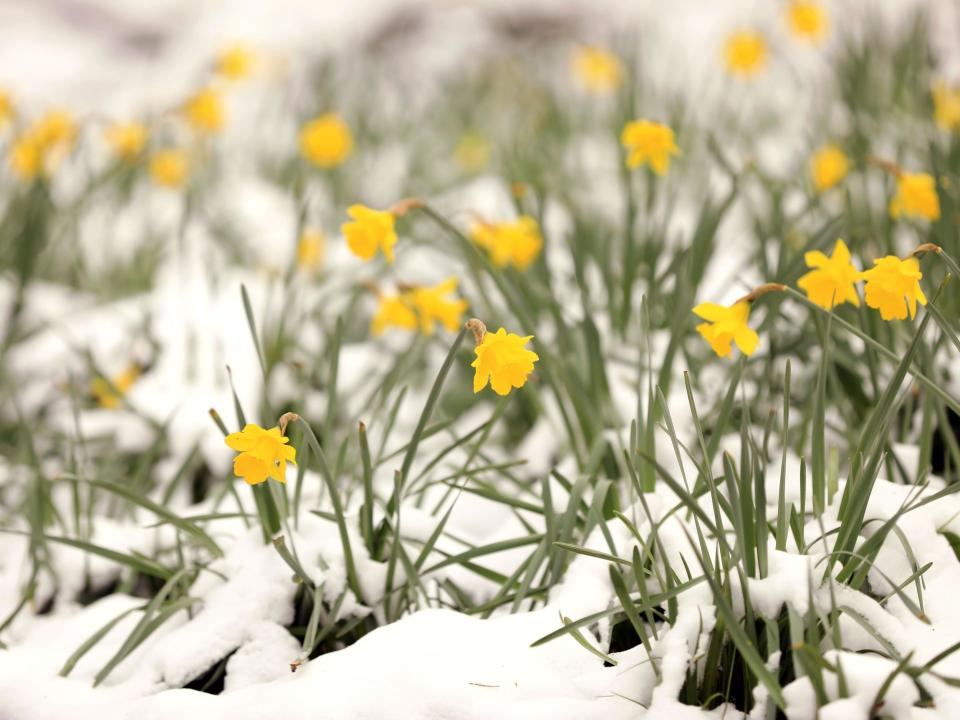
[
  {"x": 421, "y": 307},
  {"x": 262, "y": 454},
  {"x": 43, "y": 145}
]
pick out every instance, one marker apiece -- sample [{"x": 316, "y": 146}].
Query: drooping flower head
[
  {"x": 828, "y": 166},
  {"x": 596, "y": 69},
  {"x": 236, "y": 62},
  {"x": 808, "y": 20},
  {"x": 946, "y": 106},
  {"x": 395, "y": 311},
  {"x": 832, "y": 280},
  {"x": 727, "y": 325},
  {"x": 126, "y": 139},
  {"x": 502, "y": 360},
  {"x": 169, "y": 167},
  {"x": 205, "y": 112},
  {"x": 746, "y": 53},
  {"x": 369, "y": 231},
  {"x": 326, "y": 141},
  {"x": 262, "y": 454},
  {"x": 433, "y": 306},
  {"x": 649, "y": 142},
  {"x": 893, "y": 287},
  {"x": 916, "y": 197},
  {"x": 516, "y": 243},
  {"x": 310, "y": 249}
]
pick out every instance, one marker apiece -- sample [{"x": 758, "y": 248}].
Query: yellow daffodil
[
  {"x": 263, "y": 454},
  {"x": 726, "y": 325},
  {"x": 6, "y": 108},
  {"x": 432, "y": 306},
  {"x": 310, "y": 249},
  {"x": 808, "y": 20},
  {"x": 472, "y": 153},
  {"x": 55, "y": 128},
  {"x": 649, "y": 142},
  {"x": 892, "y": 286},
  {"x": 516, "y": 243},
  {"x": 946, "y": 106},
  {"x": 370, "y": 230},
  {"x": 503, "y": 361},
  {"x": 832, "y": 280},
  {"x": 169, "y": 167},
  {"x": 326, "y": 141},
  {"x": 828, "y": 166},
  {"x": 916, "y": 197},
  {"x": 107, "y": 396},
  {"x": 596, "y": 69},
  {"x": 395, "y": 311},
  {"x": 126, "y": 139},
  {"x": 236, "y": 62},
  {"x": 205, "y": 112},
  {"x": 26, "y": 158},
  {"x": 746, "y": 53}
]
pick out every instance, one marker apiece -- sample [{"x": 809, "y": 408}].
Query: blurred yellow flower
[
  {"x": 310, "y": 249},
  {"x": 326, "y": 141},
  {"x": 26, "y": 158},
  {"x": 946, "y": 106},
  {"x": 394, "y": 311},
  {"x": 916, "y": 197},
  {"x": 808, "y": 20},
  {"x": 432, "y": 306},
  {"x": 205, "y": 112},
  {"x": 726, "y": 325},
  {"x": 6, "y": 108},
  {"x": 370, "y": 230},
  {"x": 828, "y": 166},
  {"x": 893, "y": 285},
  {"x": 832, "y": 280},
  {"x": 126, "y": 139},
  {"x": 236, "y": 62},
  {"x": 169, "y": 167},
  {"x": 746, "y": 53},
  {"x": 263, "y": 454},
  {"x": 107, "y": 396},
  {"x": 55, "y": 128},
  {"x": 649, "y": 142},
  {"x": 503, "y": 361},
  {"x": 472, "y": 152},
  {"x": 596, "y": 69},
  {"x": 516, "y": 243}
]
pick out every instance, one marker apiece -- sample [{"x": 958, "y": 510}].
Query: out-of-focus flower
[
  {"x": 26, "y": 158},
  {"x": 326, "y": 141},
  {"x": 205, "y": 112},
  {"x": 126, "y": 139},
  {"x": 472, "y": 152},
  {"x": 832, "y": 280},
  {"x": 263, "y": 454},
  {"x": 503, "y": 361},
  {"x": 236, "y": 62},
  {"x": 726, "y": 325},
  {"x": 596, "y": 69},
  {"x": 6, "y": 108},
  {"x": 892, "y": 286},
  {"x": 56, "y": 128},
  {"x": 394, "y": 311},
  {"x": 808, "y": 20},
  {"x": 946, "y": 106},
  {"x": 828, "y": 166},
  {"x": 916, "y": 197},
  {"x": 516, "y": 243},
  {"x": 432, "y": 306},
  {"x": 746, "y": 53},
  {"x": 110, "y": 397},
  {"x": 169, "y": 167},
  {"x": 649, "y": 142},
  {"x": 310, "y": 249},
  {"x": 369, "y": 231}
]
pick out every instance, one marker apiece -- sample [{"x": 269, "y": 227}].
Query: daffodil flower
[
  {"x": 893, "y": 286},
  {"x": 832, "y": 280},
  {"x": 502, "y": 361},
  {"x": 262, "y": 454},
  {"x": 370, "y": 230},
  {"x": 808, "y": 20},
  {"x": 746, "y": 53},
  {"x": 205, "y": 112},
  {"x": 516, "y": 243},
  {"x": 828, "y": 166},
  {"x": 433, "y": 306},
  {"x": 649, "y": 143},
  {"x": 326, "y": 141},
  {"x": 727, "y": 325},
  {"x": 916, "y": 197},
  {"x": 596, "y": 69}
]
